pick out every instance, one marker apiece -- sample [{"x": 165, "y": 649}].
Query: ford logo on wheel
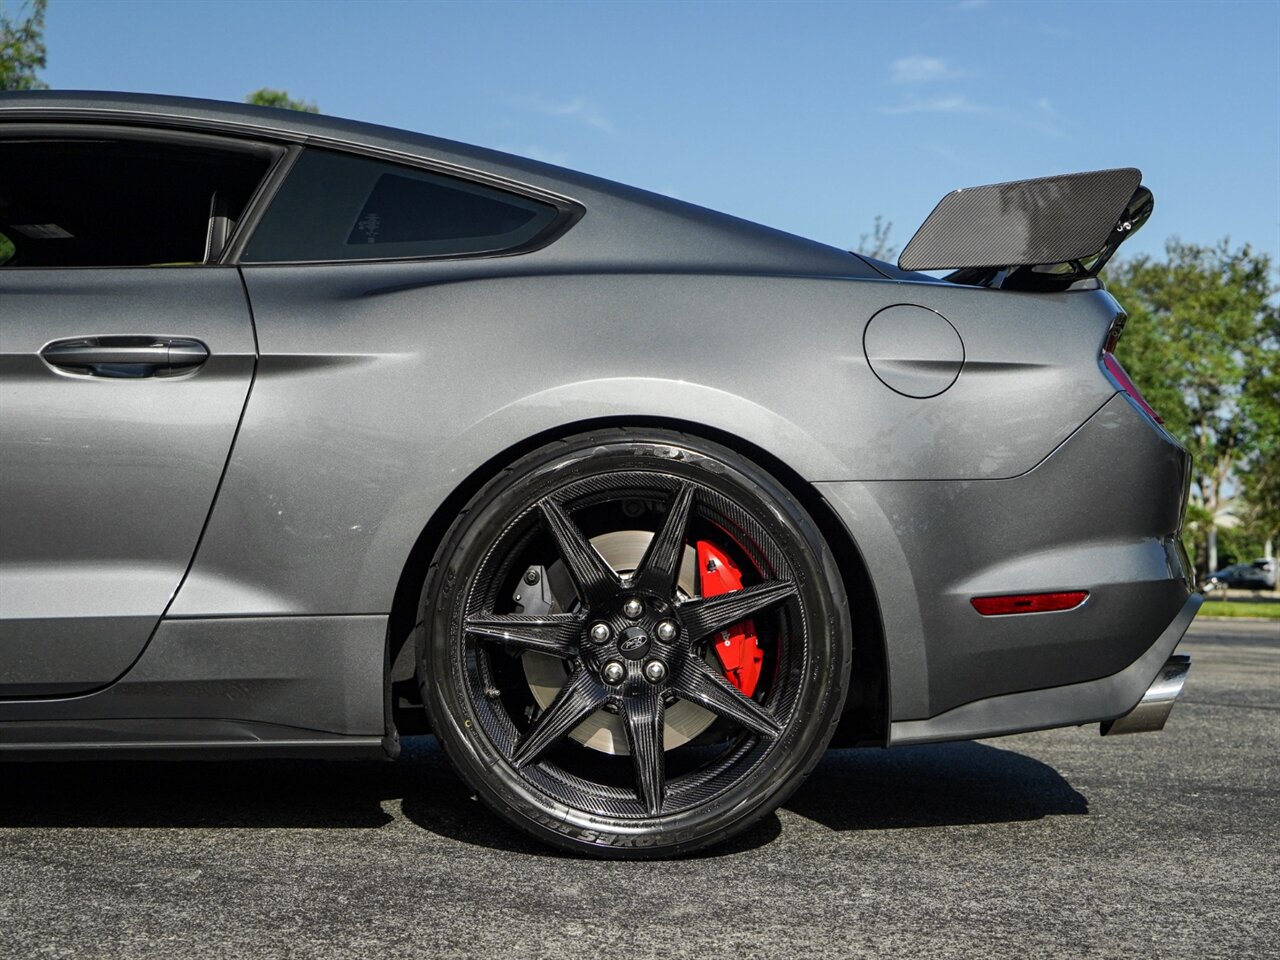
[{"x": 634, "y": 643}]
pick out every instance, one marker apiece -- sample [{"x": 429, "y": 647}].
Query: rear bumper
[
  {"x": 1103, "y": 700},
  {"x": 1102, "y": 514}
]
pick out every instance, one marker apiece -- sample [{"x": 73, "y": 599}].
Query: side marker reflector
[{"x": 1028, "y": 603}]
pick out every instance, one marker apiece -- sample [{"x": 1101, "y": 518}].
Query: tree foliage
[
  {"x": 22, "y": 53},
  {"x": 1260, "y": 398},
  {"x": 266, "y": 97},
  {"x": 1203, "y": 344}
]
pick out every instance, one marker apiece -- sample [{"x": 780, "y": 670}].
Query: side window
[
  {"x": 104, "y": 199},
  {"x": 335, "y": 206}
]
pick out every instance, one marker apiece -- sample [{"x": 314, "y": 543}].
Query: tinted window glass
[
  {"x": 339, "y": 207},
  {"x": 107, "y": 201}
]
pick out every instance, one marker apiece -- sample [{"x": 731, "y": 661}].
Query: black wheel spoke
[
  {"x": 644, "y": 723},
  {"x": 703, "y": 616},
  {"x": 661, "y": 565},
  {"x": 595, "y": 579},
  {"x": 581, "y": 696},
  {"x": 558, "y": 634},
  {"x": 699, "y": 683}
]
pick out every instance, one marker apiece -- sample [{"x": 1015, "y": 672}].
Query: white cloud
[
  {"x": 579, "y": 109},
  {"x": 920, "y": 70},
  {"x": 953, "y": 104}
]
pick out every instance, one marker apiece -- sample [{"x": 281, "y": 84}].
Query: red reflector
[{"x": 1028, "y": 603}]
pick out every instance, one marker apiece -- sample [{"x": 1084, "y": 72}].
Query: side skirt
[
  {"x": 276, "y": 685},
  {"x": 179, "y": 740}
]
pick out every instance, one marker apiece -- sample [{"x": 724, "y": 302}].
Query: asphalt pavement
[{"x": 1054, "y": 844}]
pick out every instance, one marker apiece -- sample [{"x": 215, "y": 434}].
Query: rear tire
[{"x": 541, "y": 514}]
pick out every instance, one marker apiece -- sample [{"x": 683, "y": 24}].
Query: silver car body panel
[
  {"x": 382, "y": 387},
  {"x": 1088, "y": 518},
  {"x": 379, "y": 390},
  {"x": 105, "y": 484}
]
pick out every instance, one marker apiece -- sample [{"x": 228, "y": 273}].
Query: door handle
[{"x": 127, "y": 357}]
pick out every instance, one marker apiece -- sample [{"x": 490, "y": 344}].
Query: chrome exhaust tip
[{"x": 1153, "y": 709}]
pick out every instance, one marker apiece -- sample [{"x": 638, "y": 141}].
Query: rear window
[{"x": 335, "y": 206}]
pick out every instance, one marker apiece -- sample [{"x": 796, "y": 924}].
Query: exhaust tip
[{"x": 1153, "y": 709}]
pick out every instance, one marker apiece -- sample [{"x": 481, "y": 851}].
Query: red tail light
[{"x": 1121, "y": 379}]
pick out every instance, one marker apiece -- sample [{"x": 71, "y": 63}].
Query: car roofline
[{"x": 468, "y": 160}]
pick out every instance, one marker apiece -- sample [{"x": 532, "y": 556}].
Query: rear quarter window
[{"x": 335, "y": 206}]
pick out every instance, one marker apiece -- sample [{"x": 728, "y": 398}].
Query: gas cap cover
[{"x": 913, "y": 350}]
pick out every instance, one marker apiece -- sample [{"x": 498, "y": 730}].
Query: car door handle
[{"x": 128, "y": 357}]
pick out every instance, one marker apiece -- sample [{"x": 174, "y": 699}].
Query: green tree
[
  {"x": 1260, "y": 398},
  {"x": 266, "y": 97},
  {"x": 22, "y": 53},
  {"x": 1202, "y": 343}
]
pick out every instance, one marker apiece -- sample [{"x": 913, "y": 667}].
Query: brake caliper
[{"x": 736, "y": 647}]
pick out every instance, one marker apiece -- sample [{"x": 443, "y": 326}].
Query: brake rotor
[{"x": 623, "y": 550}]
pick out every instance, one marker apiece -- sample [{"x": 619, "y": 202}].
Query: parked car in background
[{"x": 1258, "y": 575}]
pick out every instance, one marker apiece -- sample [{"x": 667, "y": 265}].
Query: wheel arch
[{"x": 866, "y": 717}]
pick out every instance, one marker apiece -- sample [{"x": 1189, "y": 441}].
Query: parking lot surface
[{"x": 1054, "y": 844}]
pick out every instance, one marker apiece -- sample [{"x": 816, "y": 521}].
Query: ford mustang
[{"x": 316, "y": 434}]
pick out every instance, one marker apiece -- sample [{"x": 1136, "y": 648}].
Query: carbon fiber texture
[
  {"x": 1023, "y": 222},
  {"x": 739, "y": 759}
]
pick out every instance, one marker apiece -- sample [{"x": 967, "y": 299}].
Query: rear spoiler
[{"x": 1046, "y": 234}]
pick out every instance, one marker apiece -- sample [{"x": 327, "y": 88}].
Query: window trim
[
  {"x": 568, "y": 212},
  {"x": 258, "y": 205}
]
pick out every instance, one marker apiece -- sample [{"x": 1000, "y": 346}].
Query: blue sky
[{"x": 812, "y": 117}]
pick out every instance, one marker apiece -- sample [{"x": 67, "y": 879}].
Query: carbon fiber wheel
[{"x": 643, "y": 741}]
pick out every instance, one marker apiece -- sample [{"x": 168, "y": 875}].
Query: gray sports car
[{"x": 314, "y": 434}]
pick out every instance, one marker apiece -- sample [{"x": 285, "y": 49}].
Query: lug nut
[
  {"x": 655, "y": 670},
  {"x": 667, "y": 631},
  {"x": 633, "y": 608},
  {"x": 600, "y": 633},
  {"x": 613, "y": 672}
]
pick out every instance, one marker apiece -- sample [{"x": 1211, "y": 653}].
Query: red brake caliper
[{"x": 737, "y": 647}]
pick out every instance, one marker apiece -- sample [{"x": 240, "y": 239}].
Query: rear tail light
[{"x": 1120, "y": 377}]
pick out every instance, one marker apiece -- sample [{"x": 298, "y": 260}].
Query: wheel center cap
[{"x": 634, "y": 643}]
